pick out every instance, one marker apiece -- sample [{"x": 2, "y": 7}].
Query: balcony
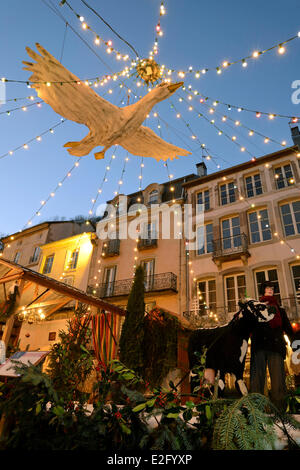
[
  {"x": 145, "y": 243},
  {"x": 230, "y": 248},
  {"x": 111, "y": 248},
  {"x": 157, "y": 283}
]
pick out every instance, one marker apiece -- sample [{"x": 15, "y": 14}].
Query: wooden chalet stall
[{"x": 22, "y": 288}]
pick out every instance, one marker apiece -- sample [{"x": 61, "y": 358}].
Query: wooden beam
[
  {"x": 57, "y": 307},
  {"x": 12, "y": 277}
]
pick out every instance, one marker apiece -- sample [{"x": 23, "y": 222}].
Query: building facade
[{"x": 251, "y": 233}]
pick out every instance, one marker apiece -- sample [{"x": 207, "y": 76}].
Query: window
[
  {"x": 227, "y": 193},
  {"x": 109, "y": 280},
  {"x": 17, "y": 257},
  {"x": 291, "y": 218},
  {"x": 204, "y": 239},
  {"x": 207, "y": 296},
  {"x": 149, "y": 231},
  {"x": 48, "y": 264},
  {"x": 284, "y": 176},
  {"x": 259, "y": 226},
  {"x": 203, "y": 198},
  {"x": 73, "y": 259},
  {"x": 231, "y": 233},
  {"x": 235, "y": 289},
  {"x": 296, "y": 278},
  {"x": 36, "y": 254},
  {"x": 253, "y": 185},
  {"x": 268, "y": 275},
  {"x": 153, "y": 197},
  {"x": 148, "y": 266}
]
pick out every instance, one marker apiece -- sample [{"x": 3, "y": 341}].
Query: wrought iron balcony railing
[
  {"x": 155, "y": 283},
  {"x": 234, "y": 246},
  {"x": 111, "y": 248},
  {"x": 145, "y": 243}
]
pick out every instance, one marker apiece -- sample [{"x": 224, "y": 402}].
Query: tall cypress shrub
[{"x": 132, "y": 335}]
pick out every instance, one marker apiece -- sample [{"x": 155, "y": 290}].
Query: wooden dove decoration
[{"x": 108, "y": 124}]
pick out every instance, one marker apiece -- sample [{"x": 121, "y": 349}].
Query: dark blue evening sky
[{"x": 196, "y": 33}]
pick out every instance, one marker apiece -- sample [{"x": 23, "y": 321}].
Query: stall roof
[{"x": 40, "y": 291}]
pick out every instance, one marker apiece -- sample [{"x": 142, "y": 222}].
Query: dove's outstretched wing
[
  {"x": 146, "y": 143},
  {"x": 73, "y": 101}
]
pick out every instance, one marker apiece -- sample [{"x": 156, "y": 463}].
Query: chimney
[
  {"x": 201, "y": 169},
  {"x": 296, "y": 136}
]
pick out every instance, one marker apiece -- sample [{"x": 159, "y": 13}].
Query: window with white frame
[
  {"x": 259, "y": 226},
  {"x": 231, "y": 233},
  {"x": 17, "y": 257},
  {"x": 269, "y": 274},
  {"x": 48, "y": 264},
  {"x": 227, "y": 193},
  {"x": 290, "y": 214},
  {"x": 149, "y": 231},
  {"x": 148, "y": 266},
  {"x": 203, "y": 198},
  {"x": 73, "y": 259},
  {"x": 284, "y": 176},
  {"x": 296, "y": 279},
  {"x": 36, "y": 254},
  {"x": 204, "y": 237},
  {"x": 235, "y": 290},
  {"x": 153, "y": 197},
  {"x": 207, "y": 296},
  {"x": 253, "y": 185},
  {"x": 109, "y": 280}
]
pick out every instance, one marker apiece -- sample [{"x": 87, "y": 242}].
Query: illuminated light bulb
[
  {"x": 281, "y": 242},
  {"x": 211, "y": 110},
  {"x": 224, "y": 118},
  {"x": 267, "y": 165},
  {"x": 197, "y": 75},
  {"x": 110, "y": 91},
  {"x": 48, "y": 84},
  {"x": 24, "y": 108},
  {"x": 191, "y": 108},
  {"x": 243, "y": 149},
  {"x": 255, "y": 54},
  {"x": 208, "y": 157},
  {"x": 190, "y": 97},
  {"x": 244, "y": 63},
  {"x": 193, "y": 137},
  {"x": 219, "y": 71},
  {"x": 203, "y": 71},
  {"x": 181, "y": 74},
  {"x": 271, "y": 116},
  {"x": 241, "y": 198},
  {"x": 118, "y": 56},
  {"x": 68, "y": 175},
  {"x": 283, "y": 143},
  {"x": 224, "y": 178},
  {"x": 97, "y": 40},
  {"x": 251, "y": 133},
  {"x": 281, "y": 49},
  {"x": 292, "y": 180},
  {"x": 237, "y": 123},
  {"x": 25, "y": 146},
  {"x": 51, "y": 131},
  {"x": 10, "y": 152},
  {"x": 76, "y": 163},
  {"x": 84, "y": 26},
  {"x": 52, "y": 194},
  {"x": 113, "y": 156},
  {"x": 258, "y": 115},
  {"x": 81, "y": 18},
  {"x": 233, "y": 137},
  {"x": 295, "y": 119},
  {"x": 39, "y": 138},
  {"x": 59, "y": 184},
  {"x": 108, "y": 50},
  {"x": 225, "y": 63},
  {"x": 298, "y": 257},
  {"x": 220, "y": 133},
  {"x": 266, "y": 140}
]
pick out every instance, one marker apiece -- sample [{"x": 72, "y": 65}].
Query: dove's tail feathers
[{"x": 82, "y": 148}]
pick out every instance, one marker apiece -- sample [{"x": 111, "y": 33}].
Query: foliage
[
  {"x": 132, "y": 335},
  {"x": 70, "y": 362},
  {"x": 160, "y": 345},
  {"x": 7, "y": 307}
]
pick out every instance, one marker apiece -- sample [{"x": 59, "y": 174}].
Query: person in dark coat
[{"x": 268, "y": 348}]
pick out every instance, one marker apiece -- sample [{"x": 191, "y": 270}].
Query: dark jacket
[{"x": 271, "y": 339}]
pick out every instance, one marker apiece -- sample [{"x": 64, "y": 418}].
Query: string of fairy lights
[
  {"x": 127, "y": 73},
  {"x": 24, "y": 108}
]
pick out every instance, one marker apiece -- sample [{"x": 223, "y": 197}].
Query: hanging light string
[
  {"x": 18, "y": 99},
  {"x": 98, "y": 40},
  {"x": 238, "y": 123},
  {"x": 110, "y": 27},
  {"x": 24, "y": 108},
  {"x": 52, "y": 194},
  {"x": 34, "y": 139},
  {"x": 158, "y": 31},
  {"x": 243, "y": 61},
  {"x": 258, "y": 113},
  {"x": 120, "y": 181},
  {"x": 142, "y": 165},
  {"x": 220, "y": 131}
]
